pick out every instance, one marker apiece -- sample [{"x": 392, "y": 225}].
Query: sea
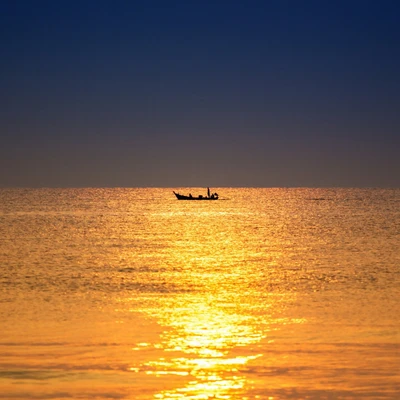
[{"x": 274, "y": 293}]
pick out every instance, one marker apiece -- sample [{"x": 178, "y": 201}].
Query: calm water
[{"x": 266, "y": 294}]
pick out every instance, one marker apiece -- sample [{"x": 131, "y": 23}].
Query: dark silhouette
[{"x": 214, "y": 196}]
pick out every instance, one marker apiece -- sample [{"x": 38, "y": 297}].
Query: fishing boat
[{"x": 213, "y": 196}]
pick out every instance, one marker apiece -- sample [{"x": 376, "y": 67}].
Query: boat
[{"x": 209, "y": 196}]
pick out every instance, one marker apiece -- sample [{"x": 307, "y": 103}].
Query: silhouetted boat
[{"x": 209, "y": 196}]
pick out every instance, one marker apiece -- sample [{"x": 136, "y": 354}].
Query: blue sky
[{"x": 188, "y": 93}]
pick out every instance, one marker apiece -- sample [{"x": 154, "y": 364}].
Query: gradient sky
[{"x": 199, "y": 93}]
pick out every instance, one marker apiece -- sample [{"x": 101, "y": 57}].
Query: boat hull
[{"x": 183, "y": 197}]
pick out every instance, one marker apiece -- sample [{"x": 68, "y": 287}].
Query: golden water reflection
[
  {"x": 208, "y": 343},
  {"x": 217, "y": 309}
]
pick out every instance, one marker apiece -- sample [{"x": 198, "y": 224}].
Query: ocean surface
[{"x": 263, "y": 294}]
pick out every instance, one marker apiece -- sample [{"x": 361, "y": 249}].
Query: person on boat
[
  {"x": 208, "y": 192},
  {"x": 190, "y": 195}
]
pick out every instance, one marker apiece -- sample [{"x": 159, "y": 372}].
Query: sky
[{"x": 199, "y": 93}]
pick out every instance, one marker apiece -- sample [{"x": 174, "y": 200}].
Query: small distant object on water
[{"x": 210, "y": 196}]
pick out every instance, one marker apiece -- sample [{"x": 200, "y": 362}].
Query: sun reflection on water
[
  {"x": 218, "y": 312},
  {"x": 202, "y": 344}
]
